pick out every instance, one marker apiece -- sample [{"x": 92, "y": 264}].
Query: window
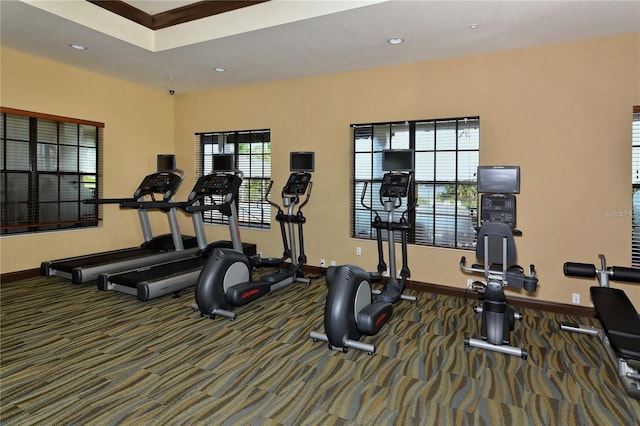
[
  {"x": 446, "y": 159},
  {"x": 635, "y": 188},
  {"x": 252, "y": 149},
  {"x": 48, "y": 165}
]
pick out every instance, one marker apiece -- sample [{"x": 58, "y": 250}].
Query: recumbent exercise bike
[{"x": 497, "y": 249}]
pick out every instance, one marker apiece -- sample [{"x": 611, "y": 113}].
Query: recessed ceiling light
[
  {"x": 473, "y": 26},
  {"x": 77, "y": 46},
  {"x": 395, "y": 40},
  {"x": 219, "y": 69}
]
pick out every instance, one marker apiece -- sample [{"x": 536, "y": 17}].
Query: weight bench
[{"x": 619, "y": 319}]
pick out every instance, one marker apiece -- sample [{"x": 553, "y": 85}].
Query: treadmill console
[
  {"x": 498, "y": 208},
  {"x": 395, "y": 185},
  {"x": 297, "y": 183},
  {"x": 217, "y": 184},
  {"x": 164, "y": 183}
]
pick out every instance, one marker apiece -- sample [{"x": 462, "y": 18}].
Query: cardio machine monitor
[
  {"x": 398, "y": 160},
  {"x": 301, "y": 161},
  {"x": 223, "y": 163},
  {"x": 166, "y": 162},
  {"x": 499, "y": 179}
]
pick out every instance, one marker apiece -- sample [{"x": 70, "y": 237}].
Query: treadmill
[
  {"x": 162, "y": 248},
  {"x": 174, "y": 276}
]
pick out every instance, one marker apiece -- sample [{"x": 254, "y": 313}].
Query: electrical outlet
[
  {"x": 575, "y": 298},
  {"x": 358, "y": 251},
  {"x": 469, "y": 283},
  {"x": 259, "y": 255},
  {"x": 333, "y": 263},
  {"x": 323, "y": 263}
]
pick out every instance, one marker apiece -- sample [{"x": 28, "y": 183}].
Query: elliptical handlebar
[
  {"x": 370, "y": 208},
  {"x": 410, "y": 208},
  {"x": 306, "y": 200},
  {"x": 266, "y": 197},
  {"x": 395, "y": 196},
  {"x": 362, "y": 194}
]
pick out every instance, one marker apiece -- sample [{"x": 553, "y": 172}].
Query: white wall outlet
[
  {"x": 469, "y": 283},
  {"x": 259, "y": 255},
  {"x": 575, "y": 298},
  {"x": 358, "y": 251},
  {"x": 333, "y": 263},
  {"x": 323, "y": 263}
]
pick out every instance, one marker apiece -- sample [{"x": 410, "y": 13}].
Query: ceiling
[{"x": 289, "y": 39}]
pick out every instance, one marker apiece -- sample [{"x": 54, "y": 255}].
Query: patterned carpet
[{"x": 73, "y": 355}]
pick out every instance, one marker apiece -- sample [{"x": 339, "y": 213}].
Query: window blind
[
  {"x": 252, "y": 156},
  {"x": 48, "y": 165},
  {"x": 446, "y": 159},
  {"x": 635, "y": 188}
]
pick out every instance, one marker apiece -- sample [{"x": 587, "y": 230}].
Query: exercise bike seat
[{"x": 619, "y": 319}]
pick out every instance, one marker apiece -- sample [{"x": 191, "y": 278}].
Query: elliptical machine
[
  {"x": 226, "y": 282},
  {"x": 353, "y": 308}
]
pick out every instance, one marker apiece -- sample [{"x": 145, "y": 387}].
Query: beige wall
[
  {"x": 561, "y": 112},
  {"x": 138, "y": 125}
]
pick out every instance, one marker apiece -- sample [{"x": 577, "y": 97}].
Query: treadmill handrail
[
  {"x": 187, "y": 206},
  {"x": 147, "y": 205},
  {"x": 108, "y": 200}
]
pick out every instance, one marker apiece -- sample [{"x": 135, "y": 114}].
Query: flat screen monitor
[
  {"x": 223, "y": 163},
  {"x": 166, "y": 162},
  {"x": 397, "y": 160},
  {"x": 302, "y": 161},
  {"x": 499, "y": 179}
]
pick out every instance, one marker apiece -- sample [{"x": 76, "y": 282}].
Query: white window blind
[
  {"x": 252, "y": 156},
  {"x": 446, "y": 159},
  {"x": 635, "y": 188}
]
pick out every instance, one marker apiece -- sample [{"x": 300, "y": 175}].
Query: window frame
[
  {"x": 361, "y": 218},
  {"x": 63, "y": 171},
  {"x": 253, "y": 210}
]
